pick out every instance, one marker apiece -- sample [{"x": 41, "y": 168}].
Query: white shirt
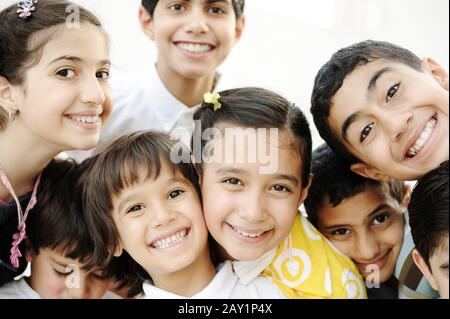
[
  {"x": 225, "y": 285},
  {"x": 142, "y": 102},
  {"x": 19, "y": 289}
]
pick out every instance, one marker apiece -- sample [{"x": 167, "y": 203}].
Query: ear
[
  {"x": 437, "y": 71},
  {"x": 146, "y": 22},
  {"x": 119, "y": 250},
  {"x": 305, "y": 191},
  {"x": 29, "y": 253},
  {"x": 368, "y": 171},
  {"x": 420, "y": 263},
  {"x": 8, "y": 100},
  {"x": 240, "y": 25}
]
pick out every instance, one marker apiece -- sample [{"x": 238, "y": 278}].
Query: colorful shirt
[{"x": 307, "y": 266}]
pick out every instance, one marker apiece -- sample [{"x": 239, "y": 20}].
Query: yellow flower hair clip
[{"x": 213, "y": 98}]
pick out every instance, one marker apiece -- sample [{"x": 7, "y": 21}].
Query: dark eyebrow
[
  {"x": 348, "y": 122},
  {"x": 214, "y": 1},
  {"x": 287, "y": 177},
  {"x": 378, "y": 208},
  {"x": 375, "y": 77},
  {"x": 76, "y": 59},
  {"x": 229, "y": 170}
]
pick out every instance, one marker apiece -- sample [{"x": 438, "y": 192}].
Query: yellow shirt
[{"x": 308, "y": 266}]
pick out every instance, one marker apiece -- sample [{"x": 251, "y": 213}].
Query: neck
[
  {"x": 189, "y": 91},
  {"x": 190, "y": 280},
  {"x": 22, "y": 157}
]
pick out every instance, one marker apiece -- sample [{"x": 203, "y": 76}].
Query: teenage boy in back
[
  {"x": 192, "y": 38},
  {"x": 384, "y": 110},
  {"x": 365, "y": 219}
]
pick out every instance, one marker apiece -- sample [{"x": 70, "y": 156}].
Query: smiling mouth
[
  {"x": 85, "y": 119},
  {"x": 251, "y": 235},
  {"x": 195, "y": 47},
  {"x": 423, "y": 138},
  {"x": 171, "y": 241}
]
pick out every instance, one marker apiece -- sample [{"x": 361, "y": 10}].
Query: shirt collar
[
  {"x": 220, "y": 287},
  {"x": 169, "y": 108},
  {"x": 247, "y": 271}
]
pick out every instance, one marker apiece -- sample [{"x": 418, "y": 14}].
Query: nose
[
  {"x": 253, "y": 209},
  {"x": 92, "y": 91},
  {"x": 396, "y": 124},
  {"x": 197, "y": 22},
  {"x": 161, "y": 216},
  {"x": 82, "y": 290},
  {"x": 367, "y": 248}
]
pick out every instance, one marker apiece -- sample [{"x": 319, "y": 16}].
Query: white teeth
[
  {"x": 242, "y": 233},
  {"x": 195, "y": 48},
  {"x": 86, "y": 119},
  {"x": 170, "y": 241},
  {"x": 423, "y": 138}
]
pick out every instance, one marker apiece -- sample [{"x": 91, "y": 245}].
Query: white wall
[{"x": 287, "y": 41}]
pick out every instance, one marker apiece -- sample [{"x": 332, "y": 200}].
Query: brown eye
[
  {"x": 392, "y": 91},
  {"x": 341, "y": 232},
  {"x": 233, "y": 181},
  {"x": 366, "y": 131},
  {"x": 380, "y": 219},
  {"x": 66, "y": 73},
  {"x": 175, "y": 194},
  {"x": 135, "y": 208}
]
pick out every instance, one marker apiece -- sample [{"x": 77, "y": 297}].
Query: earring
[{"x": 12, "y": 116}]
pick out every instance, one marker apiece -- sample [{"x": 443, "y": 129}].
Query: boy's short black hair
[
  {"x": 57, "y": 221},
  {"x": 331, "y": 76},
  {"x": 106, "y": 175},
  {"x": 238, "y": 6},
  {"x": 333, "y": 181},
  {"x": 257, "y": 108},
  {"x": 428, "y": 211}
]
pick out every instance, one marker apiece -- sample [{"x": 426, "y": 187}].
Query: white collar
[
  {"x": 169, "y": 107},
  {"x": 220, "y": 287},
  {"x": 247, "y": 271},
  {"x": 26, "y": 289}
]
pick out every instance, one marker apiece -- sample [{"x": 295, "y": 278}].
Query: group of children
[{"x": 217, "y": 214}]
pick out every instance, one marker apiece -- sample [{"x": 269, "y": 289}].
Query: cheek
[
  {"x": 99, "y": 288},
  {"x": 216, "y": 203},
  {"x": 107, "y": 106},
  {"x": 131, "y": 232},
  {"x": 345, "y": 247}
]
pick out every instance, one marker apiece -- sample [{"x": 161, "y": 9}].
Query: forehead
[
  {"x": 88, "y": 42},
  {"x": 252, "y": 147}
]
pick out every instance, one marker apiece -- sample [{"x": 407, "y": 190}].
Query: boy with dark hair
[
  {"x": 383, "y": 109},
  {"x": 364, "y": 218},
  {"x": 193, "y": 38},
  {"x": 428, "y": 217},
  {"x": 59, "y": 243}
]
